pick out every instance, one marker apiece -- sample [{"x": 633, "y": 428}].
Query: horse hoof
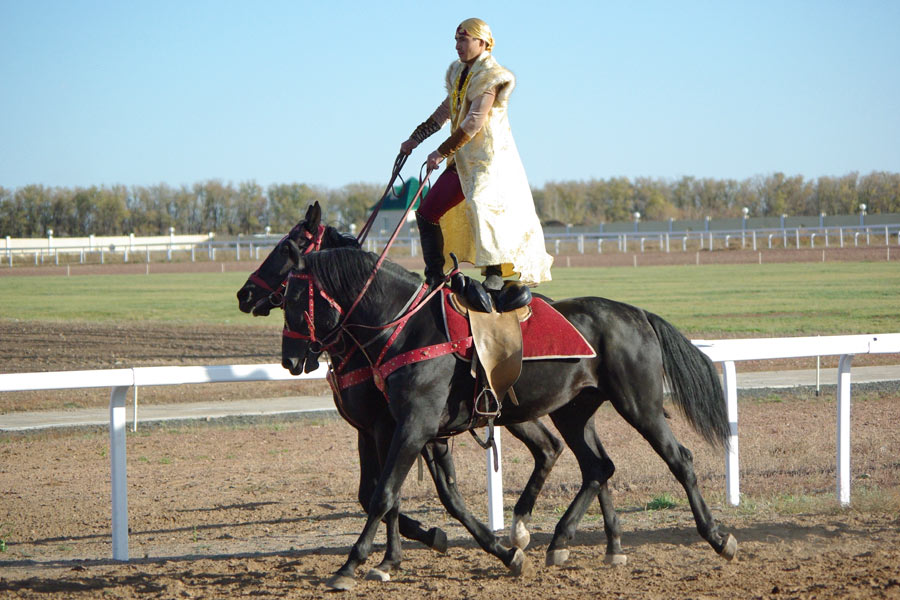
[
  {"x": 519, "y": 536},
  {"x": 438, "y": 540},
  {"x": 617, "y": 560},
  {"x": 341, "y": 583},
  {"x": 556, "y": 558},
  {"x": 730, "y": 548},
  {"x": 517, "y": 564},
  {"x": 377, "y": 574}
]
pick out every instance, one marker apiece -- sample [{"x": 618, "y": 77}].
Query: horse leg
[
  {"x": 406, "y": 444},
  {"x": 434, "y": 538},
  {"x": 440, "y": 464},
  {"x": 576, "y": 424},
  {"x": 545, "y": 448},
  {"x": 651, "y": 423}
]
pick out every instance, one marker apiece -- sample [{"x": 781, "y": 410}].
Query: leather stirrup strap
[{"x": 498, "y": 342}]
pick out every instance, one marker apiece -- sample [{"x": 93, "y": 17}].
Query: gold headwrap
[{"x": 478, "y": 29}]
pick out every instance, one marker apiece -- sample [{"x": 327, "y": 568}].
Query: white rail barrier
[
  {"x": 122, "y": 379},
  {"x": 725, "y": 351},
  {"x": 845, "y": 346}
]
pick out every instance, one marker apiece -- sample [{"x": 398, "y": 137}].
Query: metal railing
[{"x": 255, "y": 248}]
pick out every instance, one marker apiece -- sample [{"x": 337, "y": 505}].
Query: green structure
[{"x": 395, "y": 205}]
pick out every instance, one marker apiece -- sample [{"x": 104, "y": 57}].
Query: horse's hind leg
[
  {"x": 650, "y": 421},
  {"x": 545, "y": 448},
  {"x": 575, "y": 423}
]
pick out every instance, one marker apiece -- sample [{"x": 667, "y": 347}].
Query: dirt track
[{"x": 270, "y": 509}]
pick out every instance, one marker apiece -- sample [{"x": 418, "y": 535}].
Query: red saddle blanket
[{"x": 545, "y": 333}]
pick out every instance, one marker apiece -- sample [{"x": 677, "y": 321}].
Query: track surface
[{"x": 270, "y": 509}]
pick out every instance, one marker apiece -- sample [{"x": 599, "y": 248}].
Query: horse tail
[{"x": 693, "y": 382}]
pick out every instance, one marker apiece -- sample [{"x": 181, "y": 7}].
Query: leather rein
[{"x": 379, "y": 369}]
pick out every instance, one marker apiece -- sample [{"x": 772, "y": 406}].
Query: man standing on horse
[{"x": 481, "y": 207}]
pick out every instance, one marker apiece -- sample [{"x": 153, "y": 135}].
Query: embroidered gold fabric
[{"x": 497, "y": 224}]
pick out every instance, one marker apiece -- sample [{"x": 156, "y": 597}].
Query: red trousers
[{"x": 443, "y": 195}]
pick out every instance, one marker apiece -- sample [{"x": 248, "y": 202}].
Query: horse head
[
  {"x": 254, "y": 296},
  {"x": 309, "y": 314},
  {"x": 335, "y": 289}
]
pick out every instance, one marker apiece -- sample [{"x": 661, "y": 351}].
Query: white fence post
[
  {"x": 118, "y": 473},
  {"x": 843, "y": 430},
  {"x": 732, "y": 457},
  {"x": 495, "y": 486}
]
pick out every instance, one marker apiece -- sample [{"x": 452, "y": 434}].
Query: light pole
[
  {"x": 637, "y": 219},
  {"x": 862, "y": 214}
]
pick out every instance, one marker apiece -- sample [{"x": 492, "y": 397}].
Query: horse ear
[
  {"x": 313, "y": 217},
  {"x": 291, "y": 250}
]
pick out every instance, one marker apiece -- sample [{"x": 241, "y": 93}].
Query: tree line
[{"x": 246, "y": 207}]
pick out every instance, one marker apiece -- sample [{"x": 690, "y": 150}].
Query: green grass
[
  {"x": 662, "y": 502},
  {"x": 726, "y": 300},
  {"x": 751, "y": 300}
]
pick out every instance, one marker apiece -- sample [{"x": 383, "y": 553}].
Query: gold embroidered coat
[{"x": 497, "y": 224}]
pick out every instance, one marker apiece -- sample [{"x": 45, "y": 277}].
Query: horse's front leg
[
  {"x": 369, "y": 470},
  {"x": 372, "y": 453},
  {"x": 407, "y": 442},
  {"x": 440, "y": 463}
]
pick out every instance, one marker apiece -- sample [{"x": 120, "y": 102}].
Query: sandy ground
[{"x": 270, "y": 509}]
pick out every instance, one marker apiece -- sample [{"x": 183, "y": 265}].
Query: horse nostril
[{"x": 292, "y": 365}]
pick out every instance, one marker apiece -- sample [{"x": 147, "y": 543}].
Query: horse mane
[
  {"x": 337, "y": 239},
  {"x": 343, "y": 272}
]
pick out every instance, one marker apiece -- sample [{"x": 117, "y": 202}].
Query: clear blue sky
[{"x": 152, "y": 91}]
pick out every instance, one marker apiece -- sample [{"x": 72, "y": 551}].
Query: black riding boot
[
  {"x": 432, "y": 250},
  {"x": 493, "y": 278}
]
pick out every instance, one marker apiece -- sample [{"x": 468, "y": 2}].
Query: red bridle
[
  {"x": 378, "y": 369},
  {"x": 309, "y": 315},
  {"x": 276, "y": 296}
]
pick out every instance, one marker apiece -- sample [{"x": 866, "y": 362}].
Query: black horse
[
  {"x": 636, "y": 350},
  {"x": 263, "y": 291}
]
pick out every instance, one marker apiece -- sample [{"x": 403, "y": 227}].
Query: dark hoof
[
  {"x": 341, "y": 583},
  {"x": 438, "y": 540}
]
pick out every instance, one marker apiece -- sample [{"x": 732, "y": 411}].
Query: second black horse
[{"x": 636, "y": 351}]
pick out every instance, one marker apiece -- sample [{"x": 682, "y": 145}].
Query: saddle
[
  {"x": 497, "y": 337},
  {"x": 511, "y": 296}
]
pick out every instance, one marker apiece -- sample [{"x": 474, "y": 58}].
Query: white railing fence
[{"x": 726, "y": 352}]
